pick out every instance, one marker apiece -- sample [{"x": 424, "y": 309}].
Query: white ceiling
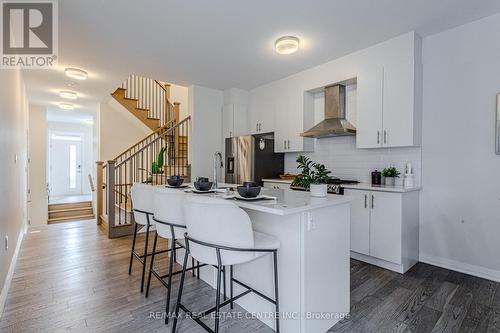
[{"x": 223, "y": 44}]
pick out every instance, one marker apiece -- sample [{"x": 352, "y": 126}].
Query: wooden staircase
[
  {"x": 148, "y": 101},
  {"x": 131, "y": 105},
  {"x": 63, "y": 212}
]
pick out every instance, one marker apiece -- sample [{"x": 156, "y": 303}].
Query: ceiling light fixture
[
  {"x": 68, "y": 94},
  {"x": 286, "y": 45},
  {"x": 76, "y": 73},
  {"x": 66, "y": 106}
]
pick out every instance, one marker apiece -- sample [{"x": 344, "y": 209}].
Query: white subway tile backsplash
[{"x": 340, "y": 155}]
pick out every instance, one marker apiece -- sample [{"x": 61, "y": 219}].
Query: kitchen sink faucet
[{"x": 218, "y": 164}]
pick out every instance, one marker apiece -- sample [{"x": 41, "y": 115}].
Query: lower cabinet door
[
  {"x": 360, "y": 221},
  {"x": 385, "y": 226}
]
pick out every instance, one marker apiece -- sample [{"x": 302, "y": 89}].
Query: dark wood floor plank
[
  {"x": 454, "y": 312},
  {"x": 442, "y": 296},
  {"x": 477, "y": 319},
  {"x": 423, "y": 321}
]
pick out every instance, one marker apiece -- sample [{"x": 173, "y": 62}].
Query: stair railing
[
  {"x": 142, "y": 164},
  {"x": 154, "y": 96}
]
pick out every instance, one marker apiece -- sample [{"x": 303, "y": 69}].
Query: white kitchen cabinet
[
  {"x": 369, "y": 108},
  {"x": 290, "y": 122},
  {"x": 389, "y": 102},
  {"x": 360, "y": 221},
  {"x": 234, "y": 120},
  {"x": 261, "y": 114},
  {"x": 384, "y": 228}
]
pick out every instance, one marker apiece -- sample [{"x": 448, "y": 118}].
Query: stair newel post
[
  {"x": 166, "y": 106},
  {"x": 110, "y": 191},
  {"x": 177, "y": 110},
  {"x": 99, "y": 191}
]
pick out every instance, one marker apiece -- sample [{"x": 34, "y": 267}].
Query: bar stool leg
[
  {"x": 170, "y": 266},
  {"x": 181, "y": 286},
  {"x": 132, "y": 252},
  {"x": 152, "y": 263},
  {"x": 277, "y": 314},
  {"x": 231, "y": 286},
  {"x": 145, "y": 257},
  {"x": 217, "y": 298},
  {"x": 224, "y": 283},
  {"x": 198, "y": 269},
  {"x": 192, "y": 266}
]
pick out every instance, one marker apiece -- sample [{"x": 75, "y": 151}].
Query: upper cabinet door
[
  {"x": 239, "y": 120},
  {"x": 283, "y": 123},
  {"x": 370, "y": 87},
  {"x": 261, "y": 114},
  {"x": 399, "y": 104}
]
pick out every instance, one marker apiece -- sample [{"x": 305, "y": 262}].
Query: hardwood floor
[{"x": 70, "y": 277}]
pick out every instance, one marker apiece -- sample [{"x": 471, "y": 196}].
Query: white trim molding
[
  {"x": 10, "y": 273},
  {"x": 461, "y": 267}
]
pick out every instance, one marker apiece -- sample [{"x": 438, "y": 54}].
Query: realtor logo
[{"x": 29, "y": 34}]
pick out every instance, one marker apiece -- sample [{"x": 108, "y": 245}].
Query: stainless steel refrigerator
[{"x": 252, "y": 158}]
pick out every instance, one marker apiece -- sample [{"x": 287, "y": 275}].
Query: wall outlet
[{"x": 6, "y": 243}]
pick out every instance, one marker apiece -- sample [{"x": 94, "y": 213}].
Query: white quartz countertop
[
  {"x": 287, "y": 201},
  {"x": 381, "y": 188}
]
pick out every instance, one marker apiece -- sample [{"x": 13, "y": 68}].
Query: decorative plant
[
  {"x": 390, "y": 172},
  {"x": 157, "y": 167},
  {"x": 311, "y": 173}
]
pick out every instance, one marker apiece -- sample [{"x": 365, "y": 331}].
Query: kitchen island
[{"x": 313, "y": 260}]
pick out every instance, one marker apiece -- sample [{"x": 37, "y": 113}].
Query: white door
[
  {"x": 360, "y": 221},
  {"x": 385, "y": 226},
  {"x": 65, "y": 164},
  {"x": 369, "y": 93}
]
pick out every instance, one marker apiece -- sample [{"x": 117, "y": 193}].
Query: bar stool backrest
[
  {"x": 168, "y": 208},
  {"x": 219, "y": 222},
  {"x": 142, "y": 199}
]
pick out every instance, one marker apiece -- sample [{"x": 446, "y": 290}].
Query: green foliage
[
  {"x": 311, "y": 173},
  {"x": 157, "y": 167},
  {"x": 390, "y": 172}
]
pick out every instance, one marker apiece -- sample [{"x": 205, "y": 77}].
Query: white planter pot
[
  {"x": 318, "y": 190},
  {"x": 390, "y": 181}
]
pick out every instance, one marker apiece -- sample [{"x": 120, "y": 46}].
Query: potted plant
[
  {"x": 390, "y": 174},
  {"x": 313, "y": 176},
  {"x": 157, "y": 166},
  {"x": 319, "y": 180}
]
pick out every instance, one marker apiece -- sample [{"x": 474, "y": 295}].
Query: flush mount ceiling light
[
  {"x": 76, "y": 73},
  {"x": 66, "y": 106},
  {"x": 68, "y": 94},
  {"x": 286, "y": 45}
]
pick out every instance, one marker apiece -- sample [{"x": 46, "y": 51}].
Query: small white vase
[
  {"x": 318, "y": 190},
  {"x": 390, "y": 181}
]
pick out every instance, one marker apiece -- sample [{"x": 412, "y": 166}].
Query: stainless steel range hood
[{"x": 335, "y": 123}]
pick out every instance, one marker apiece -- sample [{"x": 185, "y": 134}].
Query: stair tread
[
  {"x": 70, "y": 209},
  {"x": 76, "y": 217}
]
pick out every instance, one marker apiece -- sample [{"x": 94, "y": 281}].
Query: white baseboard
[
  {"x": 479, "y": 271},
  {"x": 10, "y": 273}
]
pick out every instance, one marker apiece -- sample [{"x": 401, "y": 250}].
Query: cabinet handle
[
  {"x": 366, "y": 200},
  {"x": 230, "y": 134},
  {"x": 378, "y": 137},
  {"x": 373, "y": 201},
  {"x": 385, "y": 136},
  {"x": 260, "y": 127},
  {"x": 288, "y": 144},
  {"x": 284, "y": 144}
]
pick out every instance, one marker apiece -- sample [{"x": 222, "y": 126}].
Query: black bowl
[
  {"x": 175, "y": 181},
  {"x": 202, "y": 186},
  {"x": 202, "y": 179},
  {"x": 248, "y": 191}
]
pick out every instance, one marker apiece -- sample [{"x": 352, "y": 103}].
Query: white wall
[
  {"x": 13, "y": 168},
  {"x": 205, "y": 107},
  {"x": 118, "y": 130},
  {"x": 340, "y": 154},
  {"x": 460, "y": 206},
  {"x": 87, "y": 148},
  {"x": 38, "y": 165},
  {"x": 180, "y": 94}
]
